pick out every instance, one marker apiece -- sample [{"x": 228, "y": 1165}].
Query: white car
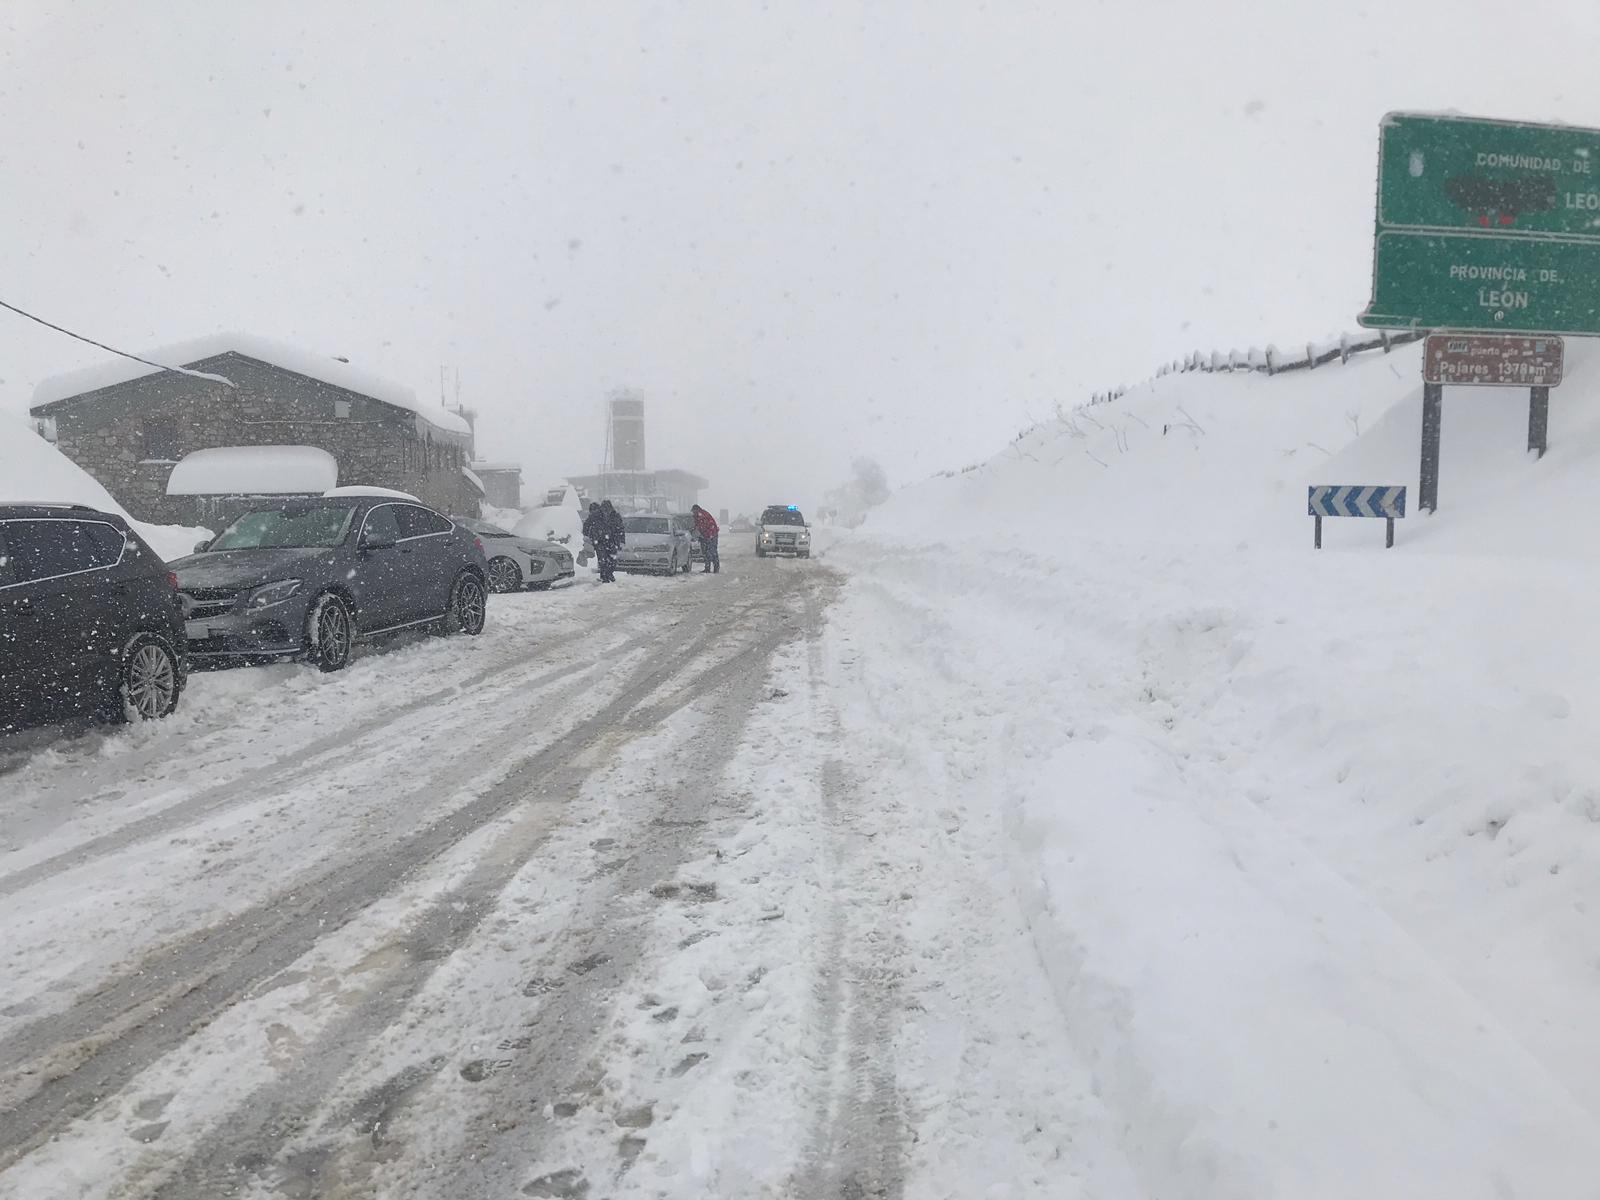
[
  {"x": 783, "y": 530},
  {"x": 655, "y": 544},
  {"x": 516, "y": 562}
]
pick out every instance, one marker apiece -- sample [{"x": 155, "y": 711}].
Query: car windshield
[
  {"x": 782, "y": 516},
  {"x": 647, "y": 524},
  {"x": 285, "y": 528}
]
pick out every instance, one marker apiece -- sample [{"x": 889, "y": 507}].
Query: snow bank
[
  {"x": 330, "y": 370},
  {"x": 254, "y": 471},
  {"x": 1307, "y": 843},
  {"x": 552, "y": 524},
  {"x": 367, "y": 489},
  {"x": 31, "y": 469}
]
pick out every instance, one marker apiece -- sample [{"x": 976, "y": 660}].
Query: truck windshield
[{"x": 782, "y": 516}]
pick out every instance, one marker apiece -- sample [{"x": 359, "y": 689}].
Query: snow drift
[
  {"x": 1307, "y": 843},
  {"x": 32, "y": 470}
]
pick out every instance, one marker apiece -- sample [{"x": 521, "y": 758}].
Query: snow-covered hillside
[
  {"x": 33, "y": 470},
  {"x": 1308, "y": 843}
]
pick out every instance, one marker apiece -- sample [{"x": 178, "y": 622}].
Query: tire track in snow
[
  {"x": 857, "y": 1145},
  {"x": 352, "y": 1142},
  {"x": 60, "y": 1067}
]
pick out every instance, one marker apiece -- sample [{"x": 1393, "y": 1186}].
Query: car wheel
[
  {"x": 505, "y": 576},
  {"x": 151, "y": 681},
  {"x": 330, "y": 633},
  {"x": 468, "y": 605}
]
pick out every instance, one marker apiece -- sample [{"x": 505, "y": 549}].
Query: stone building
[{"x": 129, "y": 425}]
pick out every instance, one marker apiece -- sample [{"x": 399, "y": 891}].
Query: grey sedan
[{"x": 312, "y": 578}]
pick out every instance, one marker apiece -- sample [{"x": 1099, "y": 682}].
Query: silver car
[
  {"x": 516, "y": 562},
  {"x": 655, "y": 544}
]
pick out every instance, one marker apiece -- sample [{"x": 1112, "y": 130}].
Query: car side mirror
[{"x": 202, "y": 545}]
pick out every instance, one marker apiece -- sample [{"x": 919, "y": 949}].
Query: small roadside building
[
  {"x": 644, "y": 491},
  {"x": 264, "y": 420},
  {"x": 502, "y": 483}
]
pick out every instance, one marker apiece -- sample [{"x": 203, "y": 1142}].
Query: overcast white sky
[{"x": 806, "y": 231}]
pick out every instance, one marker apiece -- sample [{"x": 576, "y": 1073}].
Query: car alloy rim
[
  {"x": 469, "y": 605},
  {"x": 333, "y": 632},
  {"x": 504, "y": 574},
  {"x": 152, "y": 680}
]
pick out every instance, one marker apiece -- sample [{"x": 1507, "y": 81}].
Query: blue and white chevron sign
[{"x": 1331, "y": 500}]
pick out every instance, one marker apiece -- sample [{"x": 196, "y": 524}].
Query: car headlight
[
  {"x": 272, "y": 593},
  {"x": 766, "y": 537},
  {"x": 805, "y": 537}
]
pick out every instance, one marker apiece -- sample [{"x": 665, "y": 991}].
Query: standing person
[
  {"x": 597, "y": 528},
  {"x": 617, "y": 530},
  {"x": 707, "y": 529}
]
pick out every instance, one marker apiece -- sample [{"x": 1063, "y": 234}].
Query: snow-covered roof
[
  {"x": 309, "y": 363},
  {"x": 474, "y": 481},
  {"x": 254, "y": 471},
  {"x": 363, "y": 489},
  {"x": 497, "y": 466}
]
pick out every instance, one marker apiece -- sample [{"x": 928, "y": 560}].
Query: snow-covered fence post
[
  {"x": 1311, "y": 357},
  {"x": 1272, "y": 361},
  {"x": 1344, "y": 348},
  {"x": 1216, "y": 360}
]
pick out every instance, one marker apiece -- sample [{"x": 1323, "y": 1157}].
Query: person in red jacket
[{"x": 707, "y": 530}]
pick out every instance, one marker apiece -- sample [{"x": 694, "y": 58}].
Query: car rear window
[{"x": 47, "y": 547}]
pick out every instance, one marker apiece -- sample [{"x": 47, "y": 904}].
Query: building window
[{"x": 162, "y": 442}]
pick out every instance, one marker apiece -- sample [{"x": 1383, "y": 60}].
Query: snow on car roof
[
  {"x": 309, "y": 363},
  {"x": 254, "y": 471},
  {"x": 362, "y": 489}
]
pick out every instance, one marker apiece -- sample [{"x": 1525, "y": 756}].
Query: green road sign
[
  {"x": 1470, "y": 282},
  {"x": 1459, "y": 173},
  {"x": 1486, "y": 225}
]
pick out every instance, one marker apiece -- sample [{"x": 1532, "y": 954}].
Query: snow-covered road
[{"x": 473, "y": 918}]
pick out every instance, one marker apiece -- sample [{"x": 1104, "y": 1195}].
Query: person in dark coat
[
  {"x": 619, "y": 531},
  {"x": 707, "y": 530},
  {"x": 597, "y": 528}
]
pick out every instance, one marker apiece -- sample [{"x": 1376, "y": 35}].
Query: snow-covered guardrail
[{"x": 1273, "y": 361}]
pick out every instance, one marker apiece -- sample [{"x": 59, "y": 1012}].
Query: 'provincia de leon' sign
[{"x": 1486, "y": 225}]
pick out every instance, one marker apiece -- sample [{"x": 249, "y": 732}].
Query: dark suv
[
  {"x": 89, "y": 622},
  {"x": 311, "y": 578}
]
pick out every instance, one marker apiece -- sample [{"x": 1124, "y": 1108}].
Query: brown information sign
[{"x": 1492, "y": 360}]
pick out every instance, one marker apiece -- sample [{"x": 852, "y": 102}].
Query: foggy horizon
[{"x": 804, "y": 235}]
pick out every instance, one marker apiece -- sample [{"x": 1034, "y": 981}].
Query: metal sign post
[
  {"x": 1539, "y": 420},
  {"x": 1485, "y": 360},
  {"x": 1432, "y": 419}
]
